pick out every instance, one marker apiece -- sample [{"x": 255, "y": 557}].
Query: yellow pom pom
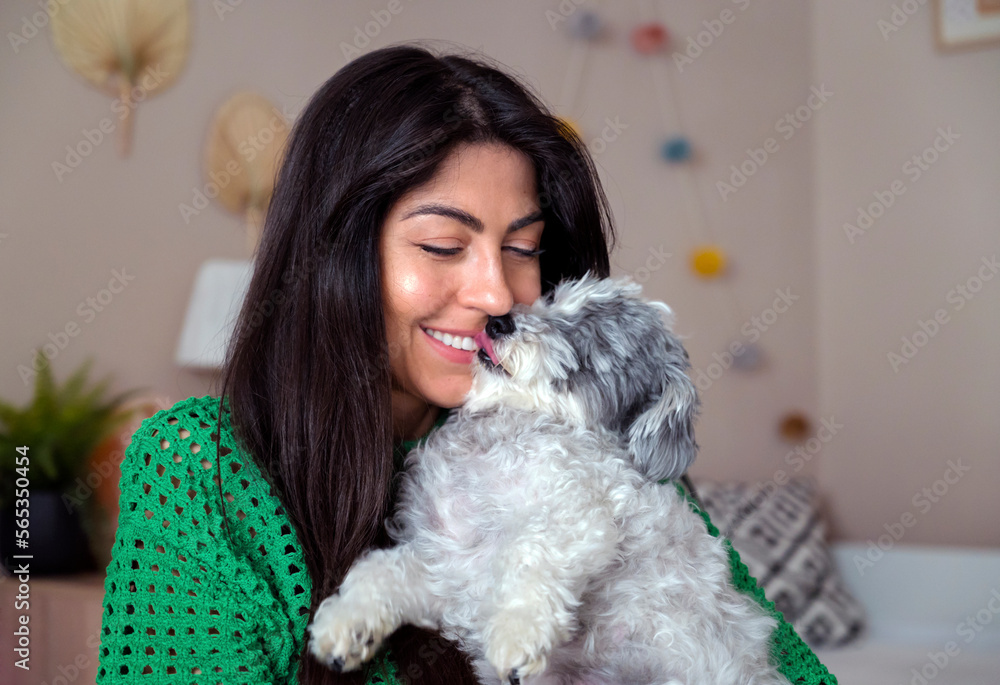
[
  {"x": 566, "y": 124},
  {"x": 708, "y": 262}
]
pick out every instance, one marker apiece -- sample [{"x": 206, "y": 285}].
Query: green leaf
[{"x": 61, "y": 426}]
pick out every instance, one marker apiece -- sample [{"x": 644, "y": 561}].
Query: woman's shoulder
[
  {"x": 177, "y": 443},
  {"x": 185, "y": 453},
  {"x": 190, "y": 423},
  {"x": 194, "y": 414},
  {"x": 173, "y": 469},
  {"x": 173, "y": 464}
]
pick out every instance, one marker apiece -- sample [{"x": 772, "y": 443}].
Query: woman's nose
[{"x": 486, "y": 287}]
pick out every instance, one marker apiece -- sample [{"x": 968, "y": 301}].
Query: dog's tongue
[{"x": 485, "y": 343}]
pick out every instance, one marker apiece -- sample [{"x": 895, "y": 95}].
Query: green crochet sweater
[{"x": 183, "y": 605}]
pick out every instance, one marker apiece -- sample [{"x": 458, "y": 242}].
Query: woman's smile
[{"x": 457, "y": 348}]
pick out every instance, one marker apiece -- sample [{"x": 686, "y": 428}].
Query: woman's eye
[
  {"x": 441, "y": 250},
  {"x": 455, "y": 250},
  {"x": 525, "y": 253}
]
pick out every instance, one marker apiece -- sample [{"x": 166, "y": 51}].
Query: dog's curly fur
[{"x": 531, "y": 529}]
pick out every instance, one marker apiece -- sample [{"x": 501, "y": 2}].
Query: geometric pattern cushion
[{"x": 780, "y": 536}]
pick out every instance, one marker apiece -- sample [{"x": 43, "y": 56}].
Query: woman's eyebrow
[{"x": 468, "y": 219}]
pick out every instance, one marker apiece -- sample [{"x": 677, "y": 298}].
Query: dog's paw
[
  {"x": 345, "y": 634},
  {"x": 517, "y": 645}
]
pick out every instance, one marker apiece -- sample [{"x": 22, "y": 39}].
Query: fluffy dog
[{"x": 530, "y": 527}]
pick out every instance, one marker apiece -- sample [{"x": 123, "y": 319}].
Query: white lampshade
[{"x": 219, "y": 289}]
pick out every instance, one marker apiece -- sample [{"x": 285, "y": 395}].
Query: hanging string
[
  {"x": 664, "y": 83},
  {"x": 665, "y": 91},
  {"x": 670, "y": 113},
  {"x": 574, "y": 76}
]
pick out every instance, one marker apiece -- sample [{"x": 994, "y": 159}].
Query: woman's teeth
[{"x": 457, "y": 341}]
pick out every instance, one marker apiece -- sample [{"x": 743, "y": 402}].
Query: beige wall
[
  {"x": 825, "y": 355},
  {"x": 902, "y": 426}
]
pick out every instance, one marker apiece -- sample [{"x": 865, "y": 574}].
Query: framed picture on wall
[{"x": 961, "y": 24}]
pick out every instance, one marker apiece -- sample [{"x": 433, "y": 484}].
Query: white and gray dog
[{"x": 530, "y": 527}]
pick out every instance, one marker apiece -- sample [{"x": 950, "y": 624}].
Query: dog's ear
[{"x": 661, "y": 439}]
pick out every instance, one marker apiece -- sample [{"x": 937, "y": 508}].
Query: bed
[{"x": 933, "y": 615}]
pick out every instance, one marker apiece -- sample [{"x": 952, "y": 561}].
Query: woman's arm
[{"x": 179, "y": 604}]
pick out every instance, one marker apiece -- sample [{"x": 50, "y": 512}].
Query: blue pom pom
[
  {"x": 749, "y": 357},
  {"x": 585, "y": 24},
  {"x": 677, "y": 149}
]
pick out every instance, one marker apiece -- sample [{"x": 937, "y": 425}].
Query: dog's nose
[{"x": 497, "y": 326}]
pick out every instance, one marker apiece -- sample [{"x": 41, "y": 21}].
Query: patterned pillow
[{"x": 780, "y": 536}]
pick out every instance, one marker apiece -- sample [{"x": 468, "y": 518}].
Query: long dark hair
[{"x": 307, "y": 372}]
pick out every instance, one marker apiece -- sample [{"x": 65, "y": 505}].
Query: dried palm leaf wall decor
[
  {"x": 128, "y": 48},
  {"x": 245, "y": 145}
]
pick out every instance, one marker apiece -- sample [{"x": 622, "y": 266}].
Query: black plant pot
[{"x": 57, "y": 543}]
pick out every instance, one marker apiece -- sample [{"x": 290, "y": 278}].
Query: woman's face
[{"x": 454, "y": 252}]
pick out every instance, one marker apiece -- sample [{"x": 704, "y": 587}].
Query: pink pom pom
[{"x": 649, "y": 38}]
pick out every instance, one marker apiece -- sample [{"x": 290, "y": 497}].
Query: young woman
[{"x": 419, "y": 196}]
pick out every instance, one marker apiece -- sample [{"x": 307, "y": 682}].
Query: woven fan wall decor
[
  {"x": 128, "y": 48},
  {"x": 245, "y": 146}
]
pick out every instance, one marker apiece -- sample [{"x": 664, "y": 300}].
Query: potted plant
[{"x": 60, "y": 428}]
